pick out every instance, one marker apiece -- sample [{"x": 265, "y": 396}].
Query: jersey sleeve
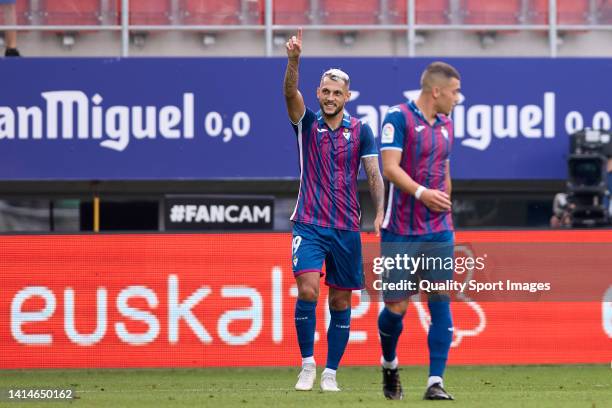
[
  {"x": 305, "y": 122},
  {"x": 393, "y": 130},
  {"x": 367, "y": 144}
]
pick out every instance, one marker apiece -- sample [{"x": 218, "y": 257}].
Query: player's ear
[{"x": 435, "y": 91}]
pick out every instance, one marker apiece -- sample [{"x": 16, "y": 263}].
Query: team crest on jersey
[
  {"x": 419, "y": 128},
  {"x": 444, "y": 132},
  {"x": 387, "y": 133},
  {"x": 347, "y": 134}
]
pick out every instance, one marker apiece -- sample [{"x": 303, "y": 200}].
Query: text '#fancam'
[
  {"x": 85, "y": 118},
  {"x": 220, "y": 214}
]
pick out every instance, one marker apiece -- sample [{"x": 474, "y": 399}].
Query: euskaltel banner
[{"x": 210, "y": 300}]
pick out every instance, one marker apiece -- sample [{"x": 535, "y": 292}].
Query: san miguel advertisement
[
  {"x": 187, "y": 300},
  {"x": 147, "y": 118}
]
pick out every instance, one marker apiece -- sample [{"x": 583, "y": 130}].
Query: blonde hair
[{"x": 336, "y": 74}]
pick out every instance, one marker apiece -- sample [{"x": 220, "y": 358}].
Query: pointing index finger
[{"x": 299, "y": 34}]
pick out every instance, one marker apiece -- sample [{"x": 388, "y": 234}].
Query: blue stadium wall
[{"x": 224, "y": 118}]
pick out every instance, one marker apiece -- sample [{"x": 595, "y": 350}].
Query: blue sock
[
  {"x": 390, "y": 327},
  {"x": 440, "y": 336},
  {"x": 305, "y": 324},
  {"x": 337, "y": 336}
]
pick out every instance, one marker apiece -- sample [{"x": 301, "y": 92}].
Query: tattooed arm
[
  {"x": 293, "y": 97},
  {"x": 377, "y": 189}
]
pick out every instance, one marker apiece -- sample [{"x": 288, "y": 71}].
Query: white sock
[
  {"x": 329, "y": 371},
  {"x": 433, "y": 380},
  {"x": 308, "y": 360},
  {"x": 389, "y": 364}
]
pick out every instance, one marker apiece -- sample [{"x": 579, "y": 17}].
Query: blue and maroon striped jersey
[
  {"x": 425, "y": 153},
  {"x": 329, "y": 166}
]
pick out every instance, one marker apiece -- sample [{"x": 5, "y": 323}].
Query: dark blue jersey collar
[
  {"x": 414, "y": 108},
  {"x": 346, "y": 119}
]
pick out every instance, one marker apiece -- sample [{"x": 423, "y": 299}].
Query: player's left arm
[
  {"x": 447, "y": 179},
  {"x": 369, "y": 158}
]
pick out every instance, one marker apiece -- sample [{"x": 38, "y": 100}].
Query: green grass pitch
[{"x": 497, "y": 387}]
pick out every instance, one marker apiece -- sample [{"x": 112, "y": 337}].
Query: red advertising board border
[{"x": 199, "y": 300}]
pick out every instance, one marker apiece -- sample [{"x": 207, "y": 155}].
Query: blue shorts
[
  {"x": 340, "y": 249},
  {"x": 430, "y": 247}
]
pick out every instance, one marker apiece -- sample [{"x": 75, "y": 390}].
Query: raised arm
[
  {"x": 377, "y": 189},
  {"x": 293, "y": 97}
]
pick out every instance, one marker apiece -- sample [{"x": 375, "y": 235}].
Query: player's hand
[
  {"x": 436, "y": 200},
  {"x": 378, "y": 222},
  {"x": 294, "y": 45}
]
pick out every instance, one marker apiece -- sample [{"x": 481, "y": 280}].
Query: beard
[
  {"x": 446, "y": 111},
  {"x": 336, "y": 111}
]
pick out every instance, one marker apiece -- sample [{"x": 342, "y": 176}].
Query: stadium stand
[
  {"x": 292, "y": 12},
  {"x": 427, "y": 11},
  {"x": 491, "y": 11},
  {"x": 150, "y": 12},
  {"x": 24, "y": 13},
  {"x": 216, "y": 12},
  {"x": 71, "y": 12},
  {"x": 234, "y": 14},
  {"x": 603, "y": 13},
  {"x": 350, "y": 12},
  {"x": 568, "y": 12},
  {"x": 573, "y": 11}
]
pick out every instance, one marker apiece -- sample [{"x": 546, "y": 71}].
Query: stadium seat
[
  {"x": 150, "y": 12},
  {"x": 491, "y": 11},
  {"x": 349, "y": 12},
  {"x": 604, "y": 12},
  {"x": 217, "y": 12},
  {"x": 24, "y": 14},
  {"x": 292, "y": 12},
  {"x": 573, "y": 12},
  {"x": 22, "y": 11},
  {"x": 568, "y": 12},
  {"x": 71, "y": 12},
  {"x": 427, "y": 11}
]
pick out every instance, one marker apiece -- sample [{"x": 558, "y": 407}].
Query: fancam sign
[{"x": 219, "y": 212}]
